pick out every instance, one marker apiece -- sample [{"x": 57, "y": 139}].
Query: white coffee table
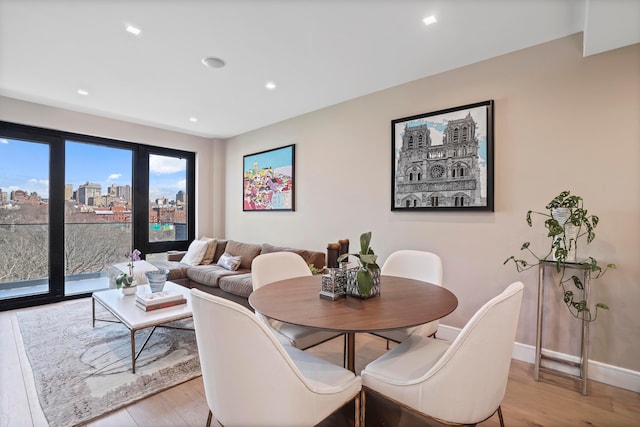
[{"x": 123, "y": 307}]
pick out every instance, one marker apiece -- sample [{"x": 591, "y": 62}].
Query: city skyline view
[
  {"x": 26, "y": 167},
  {"x": 70, "y": 200}
]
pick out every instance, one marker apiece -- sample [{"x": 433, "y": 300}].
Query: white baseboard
[{"x": 598, "y": 371}]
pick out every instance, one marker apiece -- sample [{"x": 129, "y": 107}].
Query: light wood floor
[{"x": 552, "y": 402}]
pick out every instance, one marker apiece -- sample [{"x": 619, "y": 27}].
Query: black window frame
[
  {"x": 141, "y": 201},
  {"x": 56, "y": 139}
]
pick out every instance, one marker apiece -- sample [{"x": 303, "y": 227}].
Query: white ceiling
[{"x": 318, "y": 52}]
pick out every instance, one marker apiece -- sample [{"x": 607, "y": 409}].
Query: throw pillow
[
  {"x": 229, "y": 261},
  {"x": 247, "y": 251},
  {"x": 195, "y": 253},
  {"x": 211, "y": 250}
]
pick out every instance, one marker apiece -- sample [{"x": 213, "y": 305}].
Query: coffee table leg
[
  {"x": 133, "y": 351},
  {"x": 351, "y": 350}
]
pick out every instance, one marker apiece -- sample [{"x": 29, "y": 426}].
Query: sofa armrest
[{"x": 175, "y": 255}]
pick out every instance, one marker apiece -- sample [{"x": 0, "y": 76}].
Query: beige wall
[
  {"x": 209, "y": 215},
  {"x": 561, "y": 122},
  {"x": 552, "y": 106}
]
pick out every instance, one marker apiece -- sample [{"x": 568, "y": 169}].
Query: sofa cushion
[
  {"x": 212, "y": 244},
  {"x": 221, "y": 246},
  {"x": 209, "y": 275},
  {"x": 247, "y": 251},
  {"x": 239, "y": 284},
  {"x": 177, "y": 270},
  {"x": 310, "y": 257}
]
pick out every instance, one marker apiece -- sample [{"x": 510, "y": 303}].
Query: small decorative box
[{"x": 334, "y": 284}]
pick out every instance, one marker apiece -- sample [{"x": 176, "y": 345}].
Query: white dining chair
[
  {"x": 275, "y": 266},
  {"x": 462, "y": 382},
  {"x": 251, "y": 379},
  {"x": 417, "y": 265}
]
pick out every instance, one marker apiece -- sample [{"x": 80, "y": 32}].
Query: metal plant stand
[{"x": 582, "y": 365}]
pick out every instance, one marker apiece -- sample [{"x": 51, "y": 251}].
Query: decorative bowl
[
  {"x": 129, "y": 290},
  {"x": 157, "y": 279}
]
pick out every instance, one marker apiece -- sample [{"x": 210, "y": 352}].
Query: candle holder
[{"x": 334, "y": 284}]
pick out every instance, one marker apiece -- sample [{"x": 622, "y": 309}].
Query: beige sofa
[{"x": 217, "y": 280}]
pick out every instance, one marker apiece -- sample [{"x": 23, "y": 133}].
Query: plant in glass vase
[
  {"x": 124, "y": 280},
  {"x": 366, "y": 281}
]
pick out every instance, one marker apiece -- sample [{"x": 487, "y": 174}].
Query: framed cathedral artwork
[
  {"x": 443, "y": 160},
  {"x": 268, "y": 180}
]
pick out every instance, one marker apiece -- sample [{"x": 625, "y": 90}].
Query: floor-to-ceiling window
[
  {"x": 71, "y": 205},
  {"x": 98, "y": 210},
  {"x": 24, "y": 217}
]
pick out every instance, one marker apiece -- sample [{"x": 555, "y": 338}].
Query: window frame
[
  {"x": 56, "y": 139},
  {"x": 141, "y": 201}
]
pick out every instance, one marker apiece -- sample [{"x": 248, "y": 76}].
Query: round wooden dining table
[{"x": 402, "y": 303}]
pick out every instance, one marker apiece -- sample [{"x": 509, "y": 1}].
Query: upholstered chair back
[
  {"x": 271, "y": 267},
  {"x": 251, "y": 380}
]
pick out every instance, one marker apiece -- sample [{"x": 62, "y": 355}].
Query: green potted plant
[
  {"x": 125, "y": 281},
  {"x": 567, "y": 221},
  {"x": 365, "y": 281},
  {"x": 315, "y": 270}
]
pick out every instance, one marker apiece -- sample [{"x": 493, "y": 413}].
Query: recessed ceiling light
[
  {"x": 134, "y": 30},
  {"x": 82, "y": 92},
  {"x": 270, "y": 85},
  {"x": 193, "y": 119},
  {"x": 213, "y": 62},
  {"x": 429, "y": 20}
]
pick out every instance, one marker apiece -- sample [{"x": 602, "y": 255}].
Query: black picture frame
[
  {"x": 269, "y": 180},
  {"x": 443, "y": 160}
]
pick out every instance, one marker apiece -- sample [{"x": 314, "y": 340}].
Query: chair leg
[
  {"x": 209, "y": 417},
  {"x": 344, "y": 352},
  {"x": 360, "y": 415},
  {"x": 357, "y": 413},
  {"x": 387, "y": 344},
  {"x": 500, "y": 416}
]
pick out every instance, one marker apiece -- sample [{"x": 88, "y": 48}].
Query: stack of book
[{"x": 148, "y": 302}]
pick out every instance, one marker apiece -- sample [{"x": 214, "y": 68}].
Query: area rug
[{"x": 83, "y": 372}]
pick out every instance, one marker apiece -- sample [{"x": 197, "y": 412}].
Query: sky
[
  {"x": 25, "y": 166},
  {"x": 437, "y": 125},
  {"x": 279, "y": 159}
]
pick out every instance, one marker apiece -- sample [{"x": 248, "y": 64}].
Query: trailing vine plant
[{"x": 582, "y": 225}]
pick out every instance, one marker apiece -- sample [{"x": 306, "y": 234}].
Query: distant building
[
  {"x": 181, "y": 198},
  {"x": 68, "y": 192},
  {"x": 104, "y": 214},
  {"x": 97, "y": 201},
  {"x": 89, "y": 193},
  {"x": 120, "y": 191},
  {"x": 104, "y": 201},
  {"x": 121, "y": 214},
  {"x": 180, "y": 217},
  {"x": 3, "y": 196},
  {"x": 21, "y": 196}
]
